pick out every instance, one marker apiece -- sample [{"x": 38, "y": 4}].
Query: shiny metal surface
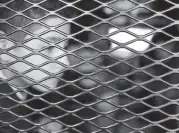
[{"x": 89, "y": 66}]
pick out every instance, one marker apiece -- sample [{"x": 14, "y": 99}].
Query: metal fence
[{"x": 89, "y": 66}]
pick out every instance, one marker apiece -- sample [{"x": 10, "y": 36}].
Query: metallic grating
[{"x": 89, "y": 66}]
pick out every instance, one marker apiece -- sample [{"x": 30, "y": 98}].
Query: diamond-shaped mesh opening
[
  {"x": 87, "y": 18},
  {"x": 172, "y": 30},
  {"x": 122, "y": 5},
  {"x": 32, "y": 27},
  {"x": 89, "y": 66},
  {"x": 7, "y": 28},
  {"x": 52, "y": 5},
  {"x": 35, "y": 12},
  {"x": 19, "y": 5},
  {"x": 159, "y": 5},
  {"x": 122, "y": 21},
  {"x": 69, "y": 15},
  {"x": 99, "y": 12},
  {"x": 19, "y": 36},
  {"x": 51, "y": 23},
  {"x": 141, "y": 13},
  {"x": 19, "y": 21},
  {"x": 159, "y": 21},
  {"x": 6, "y": 13},
  {"x": 170, "y": 12}
]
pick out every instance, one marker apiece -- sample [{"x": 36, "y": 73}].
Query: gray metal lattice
[{"x": 83, "y": 66}]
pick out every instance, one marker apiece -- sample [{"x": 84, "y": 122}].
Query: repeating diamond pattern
[{"x": 89, "y": 66}]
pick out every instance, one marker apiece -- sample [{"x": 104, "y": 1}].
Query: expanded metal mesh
[{"x": 83, "y": 66}]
